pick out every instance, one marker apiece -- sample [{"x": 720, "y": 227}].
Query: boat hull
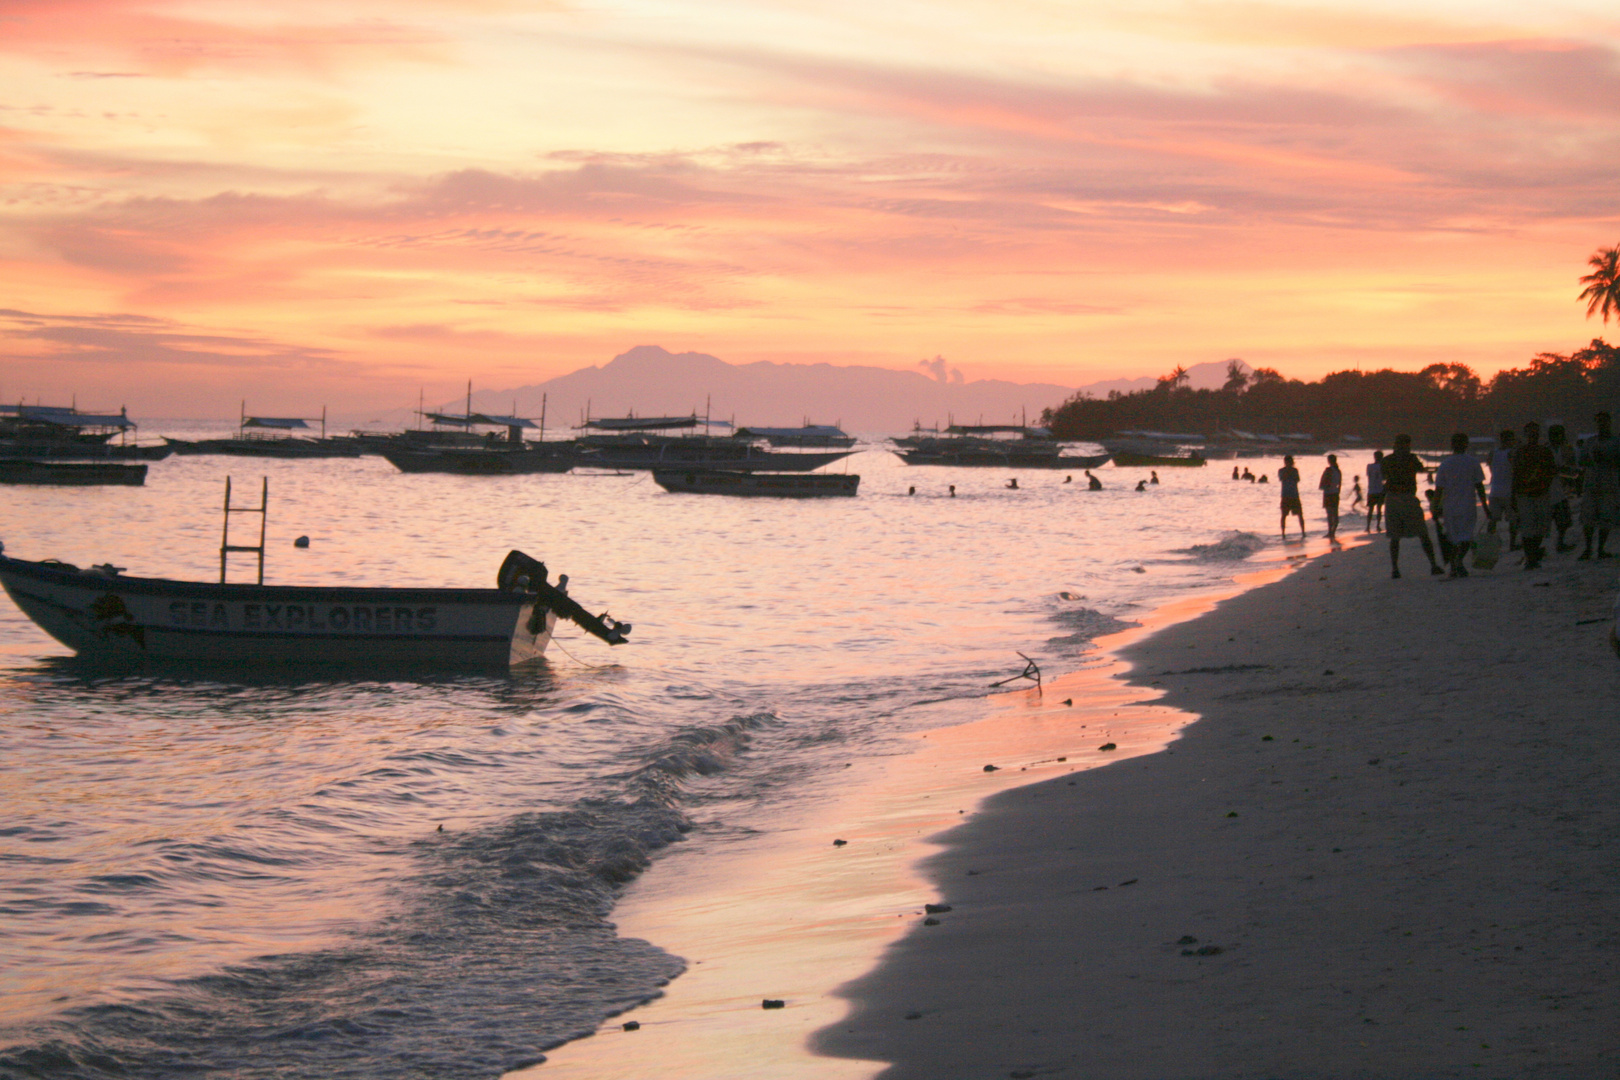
[
  {"x": 674, "y": 457},
  {"x": 272, "y": 448},
  {"x": 478, "y": 462},
  {"x": 70, "y": 473},
  {"x": 757, "y": 485},
  {"x": 1143, "y": 461},
  {"x": 982, "y": 459},
  {"x": 110, "y": 618}
]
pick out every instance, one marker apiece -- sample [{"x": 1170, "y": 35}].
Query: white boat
[{"x": 104, "y": 615}]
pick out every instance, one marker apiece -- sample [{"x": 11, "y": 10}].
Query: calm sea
[{"x": 248, "y": 878}]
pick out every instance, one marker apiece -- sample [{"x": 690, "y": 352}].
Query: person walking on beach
[
  {"x": 1502, "y": 486},
  {"x": 1288, "y": 477},
  {"x": 1356, "y": 497},
  {"x": 1566, "y": 480},
  {"x": 1533, "y": 472},
  {"x": 1375, "y": 492},
  {"x": 1459, "y": 480},
  {"x": 1403, "y": 512},
  {"x": 1332, "y": 481},
  {"x": 1600, "y": 488}
]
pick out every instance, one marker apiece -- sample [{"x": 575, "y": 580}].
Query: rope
[{"x": 571, "y": 656}]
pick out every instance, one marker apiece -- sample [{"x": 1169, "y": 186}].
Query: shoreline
[
  {"x": 1386, "y": 849},
  {"x": 794, "y": 917}
]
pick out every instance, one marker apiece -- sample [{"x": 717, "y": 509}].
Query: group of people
[{"x": 1534, "y": 487}]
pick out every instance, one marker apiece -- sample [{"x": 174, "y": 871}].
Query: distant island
[
  {"x": 650, "y": 381},
  {"x": 1373, "y": 405}
]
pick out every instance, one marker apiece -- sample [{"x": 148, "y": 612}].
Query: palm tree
[{"x": 1602, "y": 291}]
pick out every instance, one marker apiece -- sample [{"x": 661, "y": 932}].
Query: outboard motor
[{"x": 523, "y": 574}]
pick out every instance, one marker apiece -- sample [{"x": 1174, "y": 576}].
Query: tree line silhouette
[{"x": 1375, "y": 405}]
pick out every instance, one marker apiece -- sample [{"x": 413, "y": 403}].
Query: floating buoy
[{"x": 301, "y": 542}]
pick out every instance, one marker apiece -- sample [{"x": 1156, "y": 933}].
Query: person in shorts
[
  {"x": 1375, "y": 492},
  {"x": 1600, "y": 487},
  {"x": 1332, "y": 482},
  {"x": 1534, "y": 470},
  {"x": 1502, "y": 486},
  {"x": 1403, "y": 514},
  {"x": 1288, "y": 477}
]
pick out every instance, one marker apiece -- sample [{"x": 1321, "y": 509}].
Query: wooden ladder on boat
[{"x": 225, "y": 545}]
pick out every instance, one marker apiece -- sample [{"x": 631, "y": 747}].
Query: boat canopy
[
  {"x": 476, "y": 419},
  {"x": 55, "y": 414},
  {"x": 649, "y": 423},
  {"x": 818, "y": 431},
  {"x": 274, "y": 423}
]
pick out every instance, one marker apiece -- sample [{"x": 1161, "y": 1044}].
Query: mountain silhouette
[{"x": 649, "y": 380}]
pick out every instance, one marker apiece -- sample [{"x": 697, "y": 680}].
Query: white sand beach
[{"x": 1388, "y": 849}]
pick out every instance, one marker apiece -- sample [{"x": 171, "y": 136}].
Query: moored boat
[
  {"x": 757, "y": 484},
  {"x": 105, "y": 616},
  {"x": 1158, "y": 461},
  {"x": 480, "y": 461},
  {"x": 69, "y": 473}
]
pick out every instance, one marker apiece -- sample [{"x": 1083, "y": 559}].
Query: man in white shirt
[
  {"x": 1458, "y": 480},
  {"x": 1375, "y": 491}
]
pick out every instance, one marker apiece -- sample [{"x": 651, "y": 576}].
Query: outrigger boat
[{"x": 105, "y": 616}]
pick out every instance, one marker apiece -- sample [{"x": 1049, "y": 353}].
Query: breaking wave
[{"x": 1231, "y": 547}]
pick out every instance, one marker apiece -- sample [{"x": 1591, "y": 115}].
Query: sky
[{"x": 346, "y": 203}]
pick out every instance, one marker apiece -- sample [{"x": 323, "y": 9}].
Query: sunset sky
[{"x": 303, "y": 203}]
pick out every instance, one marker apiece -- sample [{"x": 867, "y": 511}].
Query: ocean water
[{"x": 305, "y": 875}]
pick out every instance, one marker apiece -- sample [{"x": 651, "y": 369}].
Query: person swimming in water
[
  {"x": 1092, "y": 482},
  {"x": 1141, "y": 485}
]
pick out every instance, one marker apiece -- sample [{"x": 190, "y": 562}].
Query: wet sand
[
  {"x": 1388, "y": 849},
  {"x": 788, "y": 915}
]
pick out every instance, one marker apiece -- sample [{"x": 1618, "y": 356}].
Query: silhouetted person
[
  {"x": 1068, "y": 479},
  {"x": 911, "y": 491},
  {"x": 1459, "y": 481},
  {"x": 1566, "y": 481},
  {"x": 1403, "y": 514},
  {"x": 1600, "y": 487},
  {"x": 953, "y": 491},
  {"x": 1533, "y": 473},
  {"x": 1155, "y": 476},
  {"x": 1092, "y": 483},
  {"x": 1141, "y": 485},
  {"x": 1012, "y": 484},
  {"x": 1288, "y": 477},
  {"x": 1331, "y": 483},
  {"x": 1502, "y": 486},
  {"x": 1235, "y": 474},
  {"x": 1375, "y": 492},
  {"x": 1357, "y": 498}
]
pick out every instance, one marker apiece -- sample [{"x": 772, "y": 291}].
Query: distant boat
[
  {"x": 976, "y": 446},
  {"x": 69, "y": 473},
  {"x": 65, "y": 433},
  {"x": 104, "y": 616},
  {"x": 641, "y": 443},
  {"x": 1158, "y": 461},
  {"x": 808, "y": 435},
  {"x": 480, "y": 461},
  {"x": 270, "y": 436},
  {"x": 757, "y": 484}
]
